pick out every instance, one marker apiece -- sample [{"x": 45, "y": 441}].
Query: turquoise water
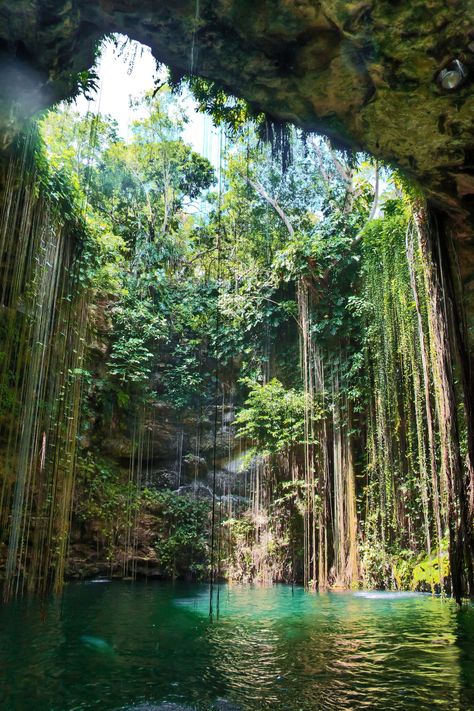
[{"x": 152, "y": 645}]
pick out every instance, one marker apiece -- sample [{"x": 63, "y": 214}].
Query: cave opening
[{"x": 222, "y": 295}]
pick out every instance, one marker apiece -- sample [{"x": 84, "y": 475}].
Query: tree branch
[
  {"x": 373, "y": 209},
  {"x": 258, "y": 187}
]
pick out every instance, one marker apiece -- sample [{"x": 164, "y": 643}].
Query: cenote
[
  {"x": 236, "y": 355},
  {"x": 117, "y": 645}
]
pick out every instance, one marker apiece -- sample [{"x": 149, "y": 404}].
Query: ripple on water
[
  {"x": 388, "y": 595},
  {"x": 269, "y": 649}
]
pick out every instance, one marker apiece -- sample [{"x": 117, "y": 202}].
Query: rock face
[
  {"x": 364, "y": 72},
  {"x": 168, "y": 461}
]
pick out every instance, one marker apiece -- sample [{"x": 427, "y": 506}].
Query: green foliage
[
  {"x": 427, "y": 573},
  {"x": 143, "y": 184},
  {"x": 273, "y": 417},
  {"x": 403, "y": 565},
  {"x": 8, "y": 404},
  {"x": 105, "y": 497},
  {"x": 181, "y": 291},
  {"x": 182, "y": 533},
  {"x": 291, "y": 494},
  {"x": 240, "y": 528},
  {"x": 138, "y": 327},
  {"x": 225, "y": 109},
  {"x": 376, "y": 565},
  {"x": 180, "y": 524},
  {"x": 417, "y": 571},
  {"x": 62, "y": 192}
]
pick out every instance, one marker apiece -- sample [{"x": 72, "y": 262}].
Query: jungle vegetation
[{"x": 292, "y": 285}]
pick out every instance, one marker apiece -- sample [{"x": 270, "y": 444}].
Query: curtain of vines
[
  {"x": 43, "y": 322},
  {"x": 405, "y": 504}
]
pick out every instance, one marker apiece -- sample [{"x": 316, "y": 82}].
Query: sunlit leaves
[{"x": 273, "y": 417}]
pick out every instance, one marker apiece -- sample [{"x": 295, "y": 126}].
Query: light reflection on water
[{"x": 124, "y": 645}]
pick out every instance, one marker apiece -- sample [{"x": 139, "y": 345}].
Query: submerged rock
[
  {"x": 97, "y": 644},
  {"x": 224, "y": 705}
]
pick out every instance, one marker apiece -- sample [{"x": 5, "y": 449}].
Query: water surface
[{"x": 146, "y": 645}]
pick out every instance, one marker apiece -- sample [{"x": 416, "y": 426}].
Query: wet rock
[
  {"x": 161, "y": 479},
  {"x": 194, "y": 465},
  {"x": 196, "y": 489}
]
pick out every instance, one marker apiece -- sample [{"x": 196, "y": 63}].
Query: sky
[{"x": 121, "y": 79}]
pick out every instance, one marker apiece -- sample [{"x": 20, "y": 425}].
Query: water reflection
[{"x": 120, "y": 646}]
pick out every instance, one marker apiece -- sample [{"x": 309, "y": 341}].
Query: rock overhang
[{"x": 364, "y": 73}]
